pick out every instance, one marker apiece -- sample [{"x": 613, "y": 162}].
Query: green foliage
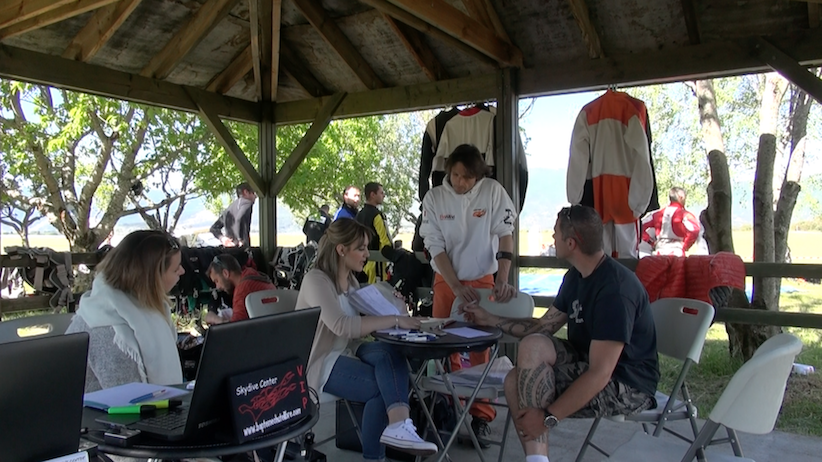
[{"x": 73, "y": 158}]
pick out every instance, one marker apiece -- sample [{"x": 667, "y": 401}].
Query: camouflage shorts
[{"x": 616, "y": 398}]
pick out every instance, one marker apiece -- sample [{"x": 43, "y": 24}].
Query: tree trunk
[{"x": 717, "y": 218}]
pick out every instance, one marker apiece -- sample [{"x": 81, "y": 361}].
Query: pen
[
  {"x": 153, "y": 394},
  {"x": 134, "y": 409}
]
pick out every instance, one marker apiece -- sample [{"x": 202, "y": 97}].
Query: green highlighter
[{"x": 145, "y": 407}]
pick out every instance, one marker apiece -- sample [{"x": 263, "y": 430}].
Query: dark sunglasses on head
[{"x": 568, "y": 213}]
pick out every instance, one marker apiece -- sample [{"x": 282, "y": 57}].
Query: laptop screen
[
  {"x": 243, "y": 346},
  {"x": 41, "y": 397}
]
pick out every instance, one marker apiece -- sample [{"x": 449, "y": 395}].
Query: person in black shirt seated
[{"x": 607, "y": 366}]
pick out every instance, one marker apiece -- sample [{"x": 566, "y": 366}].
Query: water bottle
[{"x": 802, "y": 369}]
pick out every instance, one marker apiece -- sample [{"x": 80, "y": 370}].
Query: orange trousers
[{"x": 443, "y": 299}]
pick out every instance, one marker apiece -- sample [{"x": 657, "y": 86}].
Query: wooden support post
[
  {"x": 507, "y": 144},
  {"x": 268, "y": 169},
  {"x": 781, "y": 62},
  {"x": 230, "y": 145},
  {"x": 311, "y": 136}
]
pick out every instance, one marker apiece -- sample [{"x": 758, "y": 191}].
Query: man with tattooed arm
[{"x": 607, "y": 366}]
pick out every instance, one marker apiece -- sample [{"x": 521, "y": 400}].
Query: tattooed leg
[{"x": 531, "y": 384}]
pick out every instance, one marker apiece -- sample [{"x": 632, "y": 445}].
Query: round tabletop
[
  {"x": 444, "y": 345},
  {"x": 158, "y": 449}
]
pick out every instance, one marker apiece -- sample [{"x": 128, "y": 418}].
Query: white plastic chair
[
  {"x": 47, "y": 325},
  {"x": 274, "y": 301},
  {"x": 750, "y": 403},
  {"x": 521, "y": 306},
  {"x": 681, "y": 326}
]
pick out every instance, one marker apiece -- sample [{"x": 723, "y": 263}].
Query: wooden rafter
[
  {"x": 99, "y": 29},
  {"x": 276, "y": 25},
  {"x": 579, "y": 8},
  {"x": 294, "y": 68},
  {"x": 14, "y": 11},
  {"x": 50, "y": 17},
  {"x": 813, "y": 15},
  {"x": 691, "y": 21},
  {"x": 226, "y": 139},
  {"x": 266, "y": 34},
  {"x": 407, "y": 18},
  {"x": 232, "y": 74},
  {"x": 256, "y": 60},
  {"x": 40, "y": 68},
  {"x": 463, "y": 27},
  {"x": 483, "y": 11},
  {"x": 781, "y": 62},
  {"x": 419, "y": 50},
  {"x": 200, "y": 24},
  {"x": 328, "y": 29},
  {"x": 306, "y": 143}
]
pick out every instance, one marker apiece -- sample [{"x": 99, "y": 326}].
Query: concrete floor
[{"x": 567, "y": 438}]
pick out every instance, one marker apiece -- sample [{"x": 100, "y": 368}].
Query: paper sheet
[
  {"x": 369, "y": 300},
  {"x": 466, "y": 332},
  {"x": 395, "y": 332},
  {"x": 121, "y": 395}
]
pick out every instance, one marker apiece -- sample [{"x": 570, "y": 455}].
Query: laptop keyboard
[{"x": 169, "y": 421}]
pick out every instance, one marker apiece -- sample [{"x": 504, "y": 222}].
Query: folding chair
[
  {"x": 48, "y": 325},
  {"x": 521, "y": 306},
  {"x": 274, "y": 301},
  {"x": 681, "y": 326},
  {"x": 750, "y": 403}
]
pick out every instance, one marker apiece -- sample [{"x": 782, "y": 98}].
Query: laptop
[
  {"x": 41, "y": 397},
  {"x": 228, "y": 350}
]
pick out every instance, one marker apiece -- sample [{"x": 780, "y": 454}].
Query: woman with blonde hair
[
  {"x": 344, "y": 365},
  {"x": 127, "y": 313}
]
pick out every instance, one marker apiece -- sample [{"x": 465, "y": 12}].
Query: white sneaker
[{"x": 403, "y": 436}]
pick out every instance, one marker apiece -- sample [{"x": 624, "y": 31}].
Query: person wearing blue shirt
[{"x": 350, "y": 205}]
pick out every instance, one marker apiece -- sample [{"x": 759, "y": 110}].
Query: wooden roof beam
[
  {"x": 70, "y": 10},
  {"x": 232, "y": 74},
  {"x": 99, "y": 29},
  {"x": 306, "y": 143},
  {"x": 254, "y": 7},
  {"x": 40, "y": 68},
  {"x": 265, "y": 18},
  {"x": 200, "y": 24},
  {"x": 274, "y": 48},
  {"x": 691, "y": 21},
  {"x": 294, "y": 67},
  {"x": 579, "y": 8},
  {"x": 463, "y": 27},
  {"x": 484, "y": 12},
  {"x": 419, "y": 50},
  {"x": 15, "y": 11},
  {"x": 407, "y": 18},
  {"x": 226, "y": 139},
  {"x": 779, "y": 61},
  {"x": 328, "y": 29}
]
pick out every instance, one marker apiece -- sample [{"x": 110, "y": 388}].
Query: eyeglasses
[
  {"x": 217, "y": 263},
  {"x": 568, "y": 212}
]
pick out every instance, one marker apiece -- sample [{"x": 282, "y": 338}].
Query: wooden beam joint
[{"x": 783, "y": 63}]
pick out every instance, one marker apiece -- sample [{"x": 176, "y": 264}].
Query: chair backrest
[
  {"x": 274, "y": 301},
  {"x": 521, "y": 306},
  {"x": 47, "y": 325},
  {"x": 752, "y": 399},
  {"x": 681, "y": 327}
]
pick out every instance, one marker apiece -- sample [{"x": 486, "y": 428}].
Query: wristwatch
[
  {"x": 550, "y": 421},
  {"x": 505, "y": 255}
]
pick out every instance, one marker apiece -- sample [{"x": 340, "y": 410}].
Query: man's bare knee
[{"x": 534, "y": 350}]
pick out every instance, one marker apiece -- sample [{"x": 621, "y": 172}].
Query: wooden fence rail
[{"x": 735, "y": 315}]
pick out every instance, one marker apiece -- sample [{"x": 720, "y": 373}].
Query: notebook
[
  {"x": 229, "y": 350},
  {"x": 41, "y": 397}
]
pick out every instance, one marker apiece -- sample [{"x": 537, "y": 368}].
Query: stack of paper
[
  {"x": 471, "y": 376},
  {"x": 371, "y": 301}
]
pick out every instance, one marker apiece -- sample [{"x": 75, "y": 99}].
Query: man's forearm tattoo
[
  {"x": 547, "y": 325},
  {"x": 536, "y": 388}
]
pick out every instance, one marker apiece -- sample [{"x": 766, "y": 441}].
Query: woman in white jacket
[
  {"x": 127, "y": 313},
  {"x": 468, "y": 226}
]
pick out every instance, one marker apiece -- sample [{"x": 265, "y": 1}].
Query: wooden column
[
  {"x": 268, "y": 168},
  {"x": 507, "y": 142}
]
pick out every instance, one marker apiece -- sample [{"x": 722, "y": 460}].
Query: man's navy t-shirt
[{"x": 611, "y": 304}]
